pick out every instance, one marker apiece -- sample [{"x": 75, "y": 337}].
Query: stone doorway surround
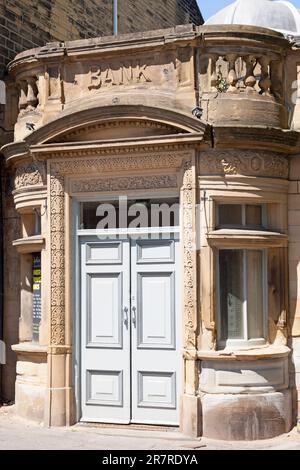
[
  {"x": 69, "y": 178},
  {"x": 101, "y": 132},
  {"x": 51, "y": 176}
]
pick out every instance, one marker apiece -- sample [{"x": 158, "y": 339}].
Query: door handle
[
  {"x": 133, "y": 310},
  {"x": 125, "y": 314}
]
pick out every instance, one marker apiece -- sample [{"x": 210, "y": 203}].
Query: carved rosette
[
  {"x": 189, "y": 253},
  {"x": 243, "y": 162},
  {"x": 81, "y": 170},
  {"x": 33, "y": 174}
]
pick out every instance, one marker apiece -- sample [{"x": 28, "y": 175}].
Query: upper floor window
[{"x": 251, "y": 216}]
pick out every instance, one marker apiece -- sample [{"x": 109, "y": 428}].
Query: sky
[{"x": 210, "y": 7}]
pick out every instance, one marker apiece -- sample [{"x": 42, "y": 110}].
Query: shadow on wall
[{"x": 11, "y": 281}]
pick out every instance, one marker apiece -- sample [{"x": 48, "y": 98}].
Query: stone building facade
[
  {"x": 191, "y": 321},
  {"x": 28, "y": 24}
]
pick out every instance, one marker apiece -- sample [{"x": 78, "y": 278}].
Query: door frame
[{"x": 76, "y": 284}]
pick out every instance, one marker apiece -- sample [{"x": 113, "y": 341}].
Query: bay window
[
  {"x": 243, "y": 267},
  {"x": 242, "y": 276}
]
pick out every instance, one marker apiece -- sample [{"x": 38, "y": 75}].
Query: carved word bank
[{"x": 127, "y": 74}]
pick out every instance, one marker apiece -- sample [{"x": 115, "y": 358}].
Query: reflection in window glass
[
  {"x": 255, "y": 293},
  {"x": 240, "y": 215},
  {"x": 129, "y": 213},
  {"x": 253, "y": 215},
  {"x": 241, "y": 299},
  {"x": 231, "y": 293},
  {"x": 230, "y": 214}
]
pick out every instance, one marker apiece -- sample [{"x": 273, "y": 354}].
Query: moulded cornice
[
  {"x": 256, "y": 137},
  {"x": 105, "y": 44},
  {"x": 101, "y": 148},
  {"x": 96, "y": 114},
  {"x": 244, "y": 238},
  {"x": 150, "y": 39}
]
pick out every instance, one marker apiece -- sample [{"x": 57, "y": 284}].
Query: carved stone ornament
[
  {"x": 85, "y": 168},
  {"x": 33, "y": 174},
  {"x": 188, "y": 196},
  {"x": 119, "y": 184},
  {"x": 138, "y": 124},
  {"x": 111, "y": 164},
  {"x": 244, "y": 162}
]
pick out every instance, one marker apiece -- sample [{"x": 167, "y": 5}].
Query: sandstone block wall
[
  {"x": 144, "y": 15},
  {"x": 294, "y": 272}
]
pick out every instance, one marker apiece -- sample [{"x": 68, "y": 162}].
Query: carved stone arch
[
  {"x": 116, "y": 129},
  {"x": 162, "y": 121}
]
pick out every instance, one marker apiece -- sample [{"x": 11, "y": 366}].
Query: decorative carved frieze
[
  {"x": 142, "y": 162},
  {"x": 148, "y": 151},
  {"x": 32, "y": 174},
  {"x": 243, "y": 162},
  {"x": 121, "y": 184}
]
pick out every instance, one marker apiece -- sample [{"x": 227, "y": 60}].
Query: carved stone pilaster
[
  {"x": 189, "y": 253},
  {"x": 57, "y": 242}
]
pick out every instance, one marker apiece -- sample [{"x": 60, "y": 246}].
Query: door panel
[
  {"x": 103, "y": 310},
  {"x": 105, "y": 336},
  {"x": 157, "y": 389},
  {"x": 156, "y": 325},
  {"x": 105, "y": 387},
  {"x": 156, "y": 362}
]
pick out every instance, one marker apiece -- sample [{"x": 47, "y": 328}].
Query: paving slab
[{"x": 19, "y": 434}]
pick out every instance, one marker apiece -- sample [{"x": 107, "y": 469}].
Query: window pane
[
  {"x": 230, "y": 214},
  {"x": 231, "y": 294},
  {"x": 255, "y": 293},
  {"x": 130, "y": 213},
  {"x": 253, "y": 215}
]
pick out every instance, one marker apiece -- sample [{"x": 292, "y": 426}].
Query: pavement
[{"x": 19, "y": 434}]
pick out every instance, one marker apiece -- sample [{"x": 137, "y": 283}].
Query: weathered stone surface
[
  {"x": 244, "y": 376},
  {"x": 246, "y": 417},
  {"x": 28, "y": 24}
]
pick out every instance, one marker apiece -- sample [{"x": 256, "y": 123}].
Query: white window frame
[{"x": 244, "y": 342}]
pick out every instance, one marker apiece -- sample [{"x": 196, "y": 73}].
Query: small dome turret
[{"x": 278, "y": 15}]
